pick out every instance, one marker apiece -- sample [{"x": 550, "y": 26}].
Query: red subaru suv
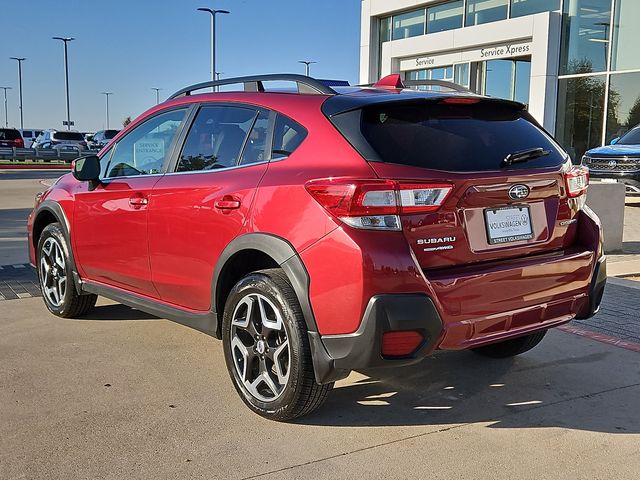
[{"x": 327, "y": 229}]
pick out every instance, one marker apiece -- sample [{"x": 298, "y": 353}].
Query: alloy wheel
[
  {"x": 260, "y": 347},
  {"x": 53, "y": 276}
]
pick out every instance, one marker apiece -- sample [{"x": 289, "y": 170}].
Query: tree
[
  {"x": 126, "y": 121},
  {"x": 634, "y": 114}
]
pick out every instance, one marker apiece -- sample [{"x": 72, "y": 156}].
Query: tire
[
  {"x": 266, "y": 348},
  {"x": 511, "y": 348},
  {"x": 56, "y": 276}
]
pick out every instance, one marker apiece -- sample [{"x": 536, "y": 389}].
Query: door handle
[
  {"x": 227, "y": 202},
  {"x": 138, "y": 202}
]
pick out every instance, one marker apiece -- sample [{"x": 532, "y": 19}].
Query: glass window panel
[
  {"x": 410, "y": 24},
  {"x": 580, "y": 114},
  {"x": 143, "y": 150},
  {"x": 625, "y": 35},
  {"x": 485, "y": 11},
  {"x": 385, "y": 29},
  {"x": 462, "y": 74},
  {"x": 445, "y": 17},
  {"x": 255, "y": 150},
  {"x": 624, "y": 104},
  {"x": 519, "y": 8},
  {"x": 585, "y": 36},
  {"x": 522, "y": 82},
  {"x": 498, "y": 78},
  {"x": 216, "y": 138}
]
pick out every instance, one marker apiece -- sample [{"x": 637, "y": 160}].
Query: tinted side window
[
  {"x": 144, "y": 150},
  {"x": 287, "y": 136},
  {"x": 255, "y": 149},
  {"x": 216, "y": 138}
]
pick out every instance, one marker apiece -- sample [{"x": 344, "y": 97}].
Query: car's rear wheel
[
  {"x": 267, "y": 348},
  {"x": 511, "y": 348},
  {"x": 55, "y": 275}
]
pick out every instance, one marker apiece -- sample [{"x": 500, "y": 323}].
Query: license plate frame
[{"x": 511, "y": 234}]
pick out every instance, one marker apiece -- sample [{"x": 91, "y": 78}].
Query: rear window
[
  {"x": 451, "y": 137},
  {"x": 76, "y": 136},
  {"x": 9, "y": 134},
  {"x": 109, "y": 134}
]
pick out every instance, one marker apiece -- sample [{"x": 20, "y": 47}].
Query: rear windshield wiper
[{"x": 524, "y": 156}]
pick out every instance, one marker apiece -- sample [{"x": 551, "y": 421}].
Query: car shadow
[
  {"x": 453, "y": 388},
  {"x": 116, "y": 312}
]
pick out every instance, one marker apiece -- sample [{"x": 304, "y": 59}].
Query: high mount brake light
[
  {"x": 460, "y": 101},
  {"x": 376, "y": 204},
  {"x": 577, "y": 181}
]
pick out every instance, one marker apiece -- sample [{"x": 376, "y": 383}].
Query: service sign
[{"x": 148, "y": 150}]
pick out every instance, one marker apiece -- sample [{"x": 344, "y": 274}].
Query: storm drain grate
[{"x": 18, "y": 281}]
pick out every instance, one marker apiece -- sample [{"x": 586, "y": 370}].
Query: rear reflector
[
  {"x": 577, "y": 181},
  {"x": 401, "y": 343},
  {"x": 376, "y": 204}
]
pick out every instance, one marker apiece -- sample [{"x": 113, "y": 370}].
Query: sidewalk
[{"x": 627, "y": 262}]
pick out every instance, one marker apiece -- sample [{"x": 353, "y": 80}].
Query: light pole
[
  {"x": 20, "y": 60},
  {"x": 213, "y": 13},
  {"x": 6, "y": 115},
  {"x": 307, "y": 65},
  {"x": 106, "y": 95},
  {"x": 218, "y": 75},
  {"x": 66, "y": 40},
  {"x": 157, "y": 94}
]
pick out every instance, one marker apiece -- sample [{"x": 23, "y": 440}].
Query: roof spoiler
[{"x": 394, "y": 82}]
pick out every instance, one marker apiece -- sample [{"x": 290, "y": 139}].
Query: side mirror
[
  {"x": 86, "y": 169},
  {"x": 615, "y": 140}
]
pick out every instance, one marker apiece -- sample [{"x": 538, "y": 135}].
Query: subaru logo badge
[
  {"x": 613, "y": 164},
  {"x": 519, "y": 192}
]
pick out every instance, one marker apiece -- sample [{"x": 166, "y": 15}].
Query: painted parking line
[{"x": 601, "y": 337}]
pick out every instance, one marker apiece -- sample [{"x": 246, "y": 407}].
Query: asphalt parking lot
[{"x": 121, "y": 394}]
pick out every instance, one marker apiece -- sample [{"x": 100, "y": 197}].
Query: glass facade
[
  {"x": 446, "y": 16},
  {"x": 410, "y": 24},
  {"x": 593, "y": 51},
  {"x": 623, "y": 112},
  {"x": 520, "y": 8},
  {"x": 485, "y": 11},
  {"x": 509, "y": 79},
  {"x": 625, "y": 35}
]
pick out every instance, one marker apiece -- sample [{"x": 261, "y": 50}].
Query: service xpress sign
[{"x": 505, "y": 51}]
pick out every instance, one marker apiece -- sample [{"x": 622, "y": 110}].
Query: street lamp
[
  {"x": 218, "y": 75},
  {"x": 307, "y": 64},
  {"x": 6, "y": 115},
  {"x": 213, "y": 13},
  {"x": 157, "y": 94},
  {"x": 20, "y": 60},
  {"x": 66, "y": 40},
  {"x": 106, "y": 95}
]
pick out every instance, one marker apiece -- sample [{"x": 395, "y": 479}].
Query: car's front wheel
[
  {"x": 267, "y": 348},
  {"x": 55, "y": 275}
]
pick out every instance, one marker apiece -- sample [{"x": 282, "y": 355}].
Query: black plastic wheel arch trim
[{"x": 387, "y": 312}]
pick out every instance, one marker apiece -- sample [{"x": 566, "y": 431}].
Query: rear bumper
[
  {"x": 631, "y": 179},
  {"x": 471, "y": 306}
]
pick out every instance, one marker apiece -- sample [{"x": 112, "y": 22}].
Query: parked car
[
  {"x": 102, "y": 138},
  {"x": 29, "y": 136},
  {"x": 10, "y": 137},
  {"x": 329, "y": 230},
  {"x": 618, "y": 162},
  {"x": 61, "y": 140}
]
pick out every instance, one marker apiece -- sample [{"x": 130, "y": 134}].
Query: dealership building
[{"x": 575, "y": 63}]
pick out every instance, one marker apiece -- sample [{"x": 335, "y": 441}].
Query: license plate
[
  {"x": 508, "y": 224},
  {"x": 609, "y": 180}
]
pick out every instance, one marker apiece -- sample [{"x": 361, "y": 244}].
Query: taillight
[
  {"x": 376, "y": 204},
  {"x": 19, "y": 143},
  {"x": 577, "y": 181}
]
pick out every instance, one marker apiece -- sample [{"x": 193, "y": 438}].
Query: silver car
[{"x": 61, "y": 140}]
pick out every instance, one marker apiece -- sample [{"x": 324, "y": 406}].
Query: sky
[{"x": 129, "y": 46}]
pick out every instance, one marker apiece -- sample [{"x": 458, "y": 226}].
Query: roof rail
[{"x": 254, "y": 83}]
